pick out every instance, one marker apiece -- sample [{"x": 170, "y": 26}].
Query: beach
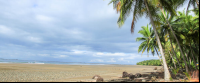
[{"x": 18, "y": 72}]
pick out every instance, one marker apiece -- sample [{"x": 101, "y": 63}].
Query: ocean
[{"x": 47, "y": 62}]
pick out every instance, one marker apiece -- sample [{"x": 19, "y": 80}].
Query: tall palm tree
[
  {"x": 162, "y": 3},
  {"x": 164, "y": 27},
  {"x": 167, "y": 74},
  {"x": 141, "y": 7},
  {"x": 148, "y": 41}
]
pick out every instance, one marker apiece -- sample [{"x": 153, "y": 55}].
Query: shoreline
[
  {"x": 63, "y": 64},
  {"x": 17, "y": 72}
]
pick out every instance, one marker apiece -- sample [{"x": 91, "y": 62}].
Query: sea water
[{"x": 46, "y": 62}]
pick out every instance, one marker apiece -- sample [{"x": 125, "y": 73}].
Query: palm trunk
[
  {"x": 176, "y": 41},
  {"x": 188, "y": 8},
  {"x": 196, "y": 48},
  {"x": 187, "y": 57},
  {"x": 166, "y": 71},
  {"x": 193, "y": 56},
  {"x": 175, "y": 54},
  {"x": 158, "y": 55},
  {"x": 197, "y": 3},
  {"x": 172, "y": 60}
]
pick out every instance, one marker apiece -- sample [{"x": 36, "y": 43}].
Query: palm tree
[
  {"x": 164, "y": 27},
  {"x": 141, "y": 7},
  {"x": 171, "y": 9},
  {"x": 167, "y": 74},
  {"x": 191, "y": 31},
  {"x": 148, "y": 41},
  {"x": 194, "y": 3}
]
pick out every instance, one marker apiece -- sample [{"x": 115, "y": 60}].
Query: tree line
[{"x": 150, "y": 63}]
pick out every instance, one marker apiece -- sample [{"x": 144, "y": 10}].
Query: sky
[{"x": 68, "y": 31}]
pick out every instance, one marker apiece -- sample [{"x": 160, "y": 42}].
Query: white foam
[{"x": 4, "y": 62}]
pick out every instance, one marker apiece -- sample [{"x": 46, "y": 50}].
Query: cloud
[
  {"x": 101, "y": 54},
  {"x": 67, "y": 30},
  {"x": 34, "y": 39},
  {"x": 5, "y": 30},
  {"x": 97, "y": 60},
  {"x": 111, "y": 60},
  {"x": 43, "y": 18}
]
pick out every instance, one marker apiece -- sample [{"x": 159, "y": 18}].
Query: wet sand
[{"x": 14, "y": 72}]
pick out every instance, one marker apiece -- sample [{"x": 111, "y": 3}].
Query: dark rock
[
  {"x": 131, "y": 77},
  {"x": 125, "y": 74},
  {"x": 137, "y": 75},
  {"x": 152, "y": 73},
  {"x": 99, "y": 79},
  {"x": 130, "y": 74},
  {"x": 160, "y": 75},
  {"x": 145, "y": 75}
]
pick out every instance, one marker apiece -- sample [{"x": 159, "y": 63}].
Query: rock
[
  {"x": 96, "y": 76},
  {"x": 125, "y": 74},
  {"x": 145, "y": 75},
  {"x": 161, "y": 75},
  {"x": 155, "y": 68},
  {"x": 137, "y": 75},
  {"x": 131, "y": 76},
  {"x": 99, "y": 79}
]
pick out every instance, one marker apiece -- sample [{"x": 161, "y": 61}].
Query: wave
[{"x": 4, "y": 62}]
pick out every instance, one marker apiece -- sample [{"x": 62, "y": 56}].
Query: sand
[{"x": 15, "y": 72}]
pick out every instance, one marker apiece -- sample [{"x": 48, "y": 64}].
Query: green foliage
[
  {"x": 150, "y": 62},
  {"x": 184, "y": 26},
  {"x": 187, "y": 75},
  {"x": 171, "y": 79},
  {"x": 148, "y": 40},
  {"x": 175, "y": 71}
]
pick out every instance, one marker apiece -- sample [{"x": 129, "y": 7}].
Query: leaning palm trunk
[
  {"x": 175, "y": 55},
  {"x": 197, "y": 3},
  {"x": 187, "y": 57},
  {"x": 193, "y": 56},
  {"x": 172, "y": 60},
  {"x": 166, "y": 71},
  {"x": 158, "y": 55},
  {"x": 176, "y": 40},
  {"x": 188, "y": 8}
]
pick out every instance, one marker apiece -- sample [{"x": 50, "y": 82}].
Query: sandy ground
[{"x": 65, "y": 73}]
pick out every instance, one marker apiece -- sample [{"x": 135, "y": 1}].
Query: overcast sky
[{"x": 68, "y": 30}]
